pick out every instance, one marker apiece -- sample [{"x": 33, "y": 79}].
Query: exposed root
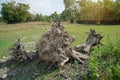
[{"x": 93, "y": 39}]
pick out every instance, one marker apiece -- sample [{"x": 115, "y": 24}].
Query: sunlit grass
[{"x": 110, "y": 32}]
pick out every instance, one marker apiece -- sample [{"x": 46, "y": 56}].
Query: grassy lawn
[
  {"x": 31, "y": 32},
  {"x": 28, "y": 32}
]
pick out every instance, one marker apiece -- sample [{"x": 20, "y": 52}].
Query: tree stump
[{"x": 54, "y": 46}]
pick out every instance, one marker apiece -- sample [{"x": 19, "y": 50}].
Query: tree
[
  {"x": 0, "y": 19},
  {"x": 107, "y": 9},
  {"x": 14, "y": 12},
  {"x": 30, "y": 17},
  {"x": 46, "y": 18},
  {"x": 65, "y": 16},
  {"x": 115, "y": 14},
  {"x": 70, "y": 8},
  {"x": 102, "y": 10},
  {"x": 56, "y": 15},
  {"x": 81, "y": 12},
  {"x": 37, "y": 17}
]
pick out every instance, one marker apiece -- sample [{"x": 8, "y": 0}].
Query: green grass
[
  {"x": 104, "y": 62},
  {"x": 28, "y": 32},
  {"x": 80, "y": 31},
  {"x": 31, "y": 33}
]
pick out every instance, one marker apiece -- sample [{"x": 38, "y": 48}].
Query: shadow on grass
[{"x": 29, "y": 70}]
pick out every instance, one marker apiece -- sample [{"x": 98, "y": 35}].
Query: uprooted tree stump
[
  {"x": 54, "y": 46},
  {"x": 94, "y": 39}
]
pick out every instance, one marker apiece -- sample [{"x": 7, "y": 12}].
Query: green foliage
[
  {"x": 70, "y": 8},
  {"x": 46, "y": 18},
  {"x": 89, "y": 10},
  {"x": 40, "y": 17},
  {"x": 68, "y": 3},
  {"x": 104, "y": 62},
  {"x": 1, "y": 19},
  {"x": 56, "y": 15},
  {"x": 116, "y": 10},
  {"x": 30, "y": 17},
  {"x": 14, "y": 12},
  {"x": 65, "y": 16}
]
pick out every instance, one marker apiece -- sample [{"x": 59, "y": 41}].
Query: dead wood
[
  {"x": 18, "y": 51},
  {"x": 54, "y": 46},
  {"x": 94, "y": 39},
  {"x": 20, "y": 54}
]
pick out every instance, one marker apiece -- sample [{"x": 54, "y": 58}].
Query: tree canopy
[
  {"x": 14, "y": 12},
  {"x": 69, "y": 9},
  {"x": 89, "y": 10}
]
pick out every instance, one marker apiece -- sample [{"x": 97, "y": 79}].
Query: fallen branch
[{"x": 93, "y": 39}]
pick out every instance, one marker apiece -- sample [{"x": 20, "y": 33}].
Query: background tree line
[
  {"x": 75, "y": 10},
  {"x": 13, "y": 12},
  {"x": 88, "y": 10}
]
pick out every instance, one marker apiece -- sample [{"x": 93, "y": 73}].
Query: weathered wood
[
  {"x": 93, "y": 39},
  {"x": 18, "y": 51},
  {"x": 54, "y": 46},
  {"x": 20, "y": 54},
  {"x": 80, "y": 55}
]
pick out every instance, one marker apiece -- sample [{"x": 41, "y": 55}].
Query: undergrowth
[{"x": 104, "y": 63}]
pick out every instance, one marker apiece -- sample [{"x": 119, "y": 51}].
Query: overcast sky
[{"x": 45, "y": 7}]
